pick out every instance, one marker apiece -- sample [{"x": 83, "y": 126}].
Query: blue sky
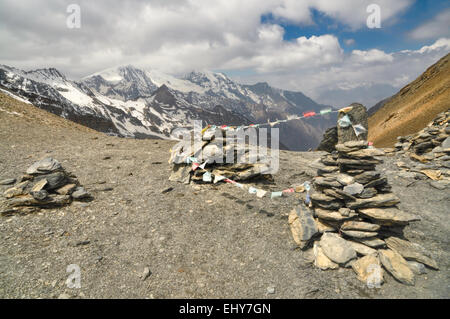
[{"x": 389, "y": 38}]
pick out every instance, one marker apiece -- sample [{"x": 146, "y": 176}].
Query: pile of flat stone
[
  {"x": 218, "y": 154},
  {"x": 46, "y": 184},
  {"x": 433, "y": 140},
  {"x": 354, "y": 221}
]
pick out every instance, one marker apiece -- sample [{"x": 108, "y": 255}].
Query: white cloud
[
  {"x": 177, "y": 36},
  {"x": 373, "y": 55},
  {"x": 349, "y": 42},
  {"x": 437, "y": 27}
]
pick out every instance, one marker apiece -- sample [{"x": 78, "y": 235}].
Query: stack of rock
[
  {"x": 46, "y": 184},
  {"x": 433, "y": 139},
  {"x": 430, "y": 151},
  {"x": 355, "y": 222},
  {"x": 221, "y": 156}
]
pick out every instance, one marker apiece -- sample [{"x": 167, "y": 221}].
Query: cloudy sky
[{"x": 323, "y": 48}]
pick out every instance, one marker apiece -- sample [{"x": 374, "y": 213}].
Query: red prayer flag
[{"x": 309, "y": 114}]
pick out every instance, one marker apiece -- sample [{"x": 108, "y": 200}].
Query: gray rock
[
  {"x": 357, "y": 115},
  {"x": 353, "y": 189},
  {"x": 39, "y": 195},
  {"x": 359, "y": 234},
  {"x": 330, "y": 215},
  {"x": 362, "y": 249},
  {"x": 411, "y": 251},
  {"x": 380, "y": 200},
  {"x": 446, "y": 143},
  {"x": 336, "y": 248},
  {"x": 366, "y": 177},
  {"x": 397, "y": 266},
  {"x": 417, "y": 268},
  {"x": 303, "y": 227},
  {"x": 45, "y": 166},
  {"x": 54, "y": 180},
  {"x": 146, "y": 273},
  {"x": 345, "y": 179},
  {"x": 8, "y": 181},
  {"x": 270, "y": 290},
  {"x": 371, "y": 242},
  {"x": 368, "y": 193},
  {"x": 438, "y": 185},
  {"x": 326, "y": 182},
  {"x": 388, "y": 216},
  {"x": 80, "y": 193},
  {"x": 361, "y": 226},
  {"x": 329, "y": 140}
]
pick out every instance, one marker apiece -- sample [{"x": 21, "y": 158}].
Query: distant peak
[{"x": 48, "y": 73}]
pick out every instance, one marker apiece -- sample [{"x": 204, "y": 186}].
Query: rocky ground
[{"x": 196, "y": 241}]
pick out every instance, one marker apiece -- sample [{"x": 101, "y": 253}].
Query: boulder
[
  {"x": 302, "y": 224},
  {"x": 336, "y": 248},
  {"x": 411, "y": 251},
  {"x": 397, "y": 266},
  {"x": 368, "y": 270},
  {"x": 321, "y": 260}
]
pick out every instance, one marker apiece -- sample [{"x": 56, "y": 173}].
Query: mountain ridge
[
  {"x": 413, "y": 107},
  {"x": 131, "y": 102}
]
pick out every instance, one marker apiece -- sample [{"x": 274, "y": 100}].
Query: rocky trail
[{"x": 143, "y": 236}]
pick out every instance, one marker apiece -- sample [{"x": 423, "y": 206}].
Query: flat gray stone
[
  {"x": 397, "y": 266},
  {"x": 411, "y": 251},
  {"x": 45, "y": 166},
  {"x": 336, "y": 248},
  {"x": 80, "y": 193},
  {"x": 380, "y": 200},
  {"x": 8, "y": 181},
  {"x": 388, "y": 216},
  {"x": 417, "y": 268},
  {"x": 354, "y": 189}
]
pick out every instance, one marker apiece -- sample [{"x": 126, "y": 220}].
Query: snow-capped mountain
[{"x": 131, "y": 102}]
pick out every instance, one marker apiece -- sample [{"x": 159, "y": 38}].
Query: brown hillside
[{"x": 414, "y": 106}]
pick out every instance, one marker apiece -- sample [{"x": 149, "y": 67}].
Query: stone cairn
[
  {"x": 45, "y": 185},
  {"x": 215, "y": 146},
  {"x": 430, "y": 144},
  {"x": 354, "y": 221}
]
